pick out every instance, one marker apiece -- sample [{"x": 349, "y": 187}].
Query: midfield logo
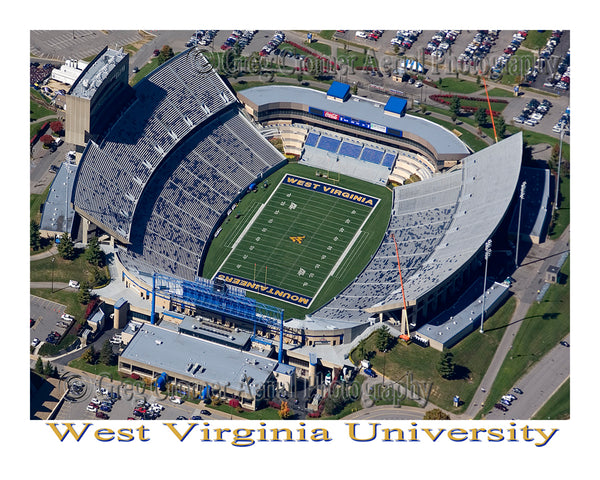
[{"x": 298, "y": 239}]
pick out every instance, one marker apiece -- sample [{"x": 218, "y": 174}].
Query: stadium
[{"x": 214, "y": 233}]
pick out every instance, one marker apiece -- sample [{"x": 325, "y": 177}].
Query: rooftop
[
  {"x": 95, "y": 73},
  {"x": 188, "y": 356},
  {"x": 58, "y": 212}
]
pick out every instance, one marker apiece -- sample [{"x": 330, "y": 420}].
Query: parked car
[
  {"x": 370, "y": 373},
  {"x": 518, "y": 390},
  {"x": 204, "y": 412},
  {"x": 91, "y": 408},
  {"x": 35, "y": 342},
  {"x": 499, "y": 406},
  {"x": 102, "y": 415},
  {"x": 73, "y": 284},
  {"x": 564, "y": 344}
]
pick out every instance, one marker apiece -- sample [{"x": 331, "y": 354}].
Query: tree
[
  {"x": 106, "y": 353},
  {"x": 35, "y": 239},
  {"x": 39, "y": 366},
  {"x": 47, "y": 140},
  {"x": 166, "y": 52},
  {"x": 455, "y": 106},
  {"x": 500, "y": 126},
  {"x": 436, "y": 414},
  {"x": 66, "y": 249},
  {"x": 89, "y": 356},
  {"x": 481, "y": 116},
  {"x": 361, "y": 349},
  {"x": 93, "y": 254},
  {"x": 84, "y": 293},
  {"x": 446, "y": 365},
  {"x": 284, "y": 411},
  {"x": 384, "y": 339},
  {"x": 56, "y": 126},
  {"x": 48, "y": 369}
]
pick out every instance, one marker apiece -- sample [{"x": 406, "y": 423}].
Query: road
[
  {"x": 538, "y": 384},
  {"x": 529, "y": 279}
]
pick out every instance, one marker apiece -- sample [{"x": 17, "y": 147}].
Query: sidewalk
[{"x": 46, "y": 254}]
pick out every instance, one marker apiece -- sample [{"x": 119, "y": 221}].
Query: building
[
  {"x": 58, "y": 215},
  {"x": 69, "y": 72},
  {"x": 96, "y": 96},
  {"x": 191, "y": 363}
]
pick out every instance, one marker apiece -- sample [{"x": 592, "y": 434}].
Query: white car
[
  {"x": 91, "y": 408},
  {"x": 35, "y": 342},
  {"x": 67, "y": 317},
  {"x": 73, "y": 284}
]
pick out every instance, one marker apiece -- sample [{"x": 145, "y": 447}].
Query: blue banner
[
  {"x": 332, "y": 190},
  {"x": 265, "y": 289}
]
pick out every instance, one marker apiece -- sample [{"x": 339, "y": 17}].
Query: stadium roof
[
  {"x": 165, "y": 349},
  {"x": 338, "y": 90},
  {"x": 396, "y": 105},
  {"x": 489, "y": 179},
  {"x": 444, "y": 141}
]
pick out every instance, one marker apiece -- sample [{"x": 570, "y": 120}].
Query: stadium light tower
[
  {"x": 522, "y": 196},
  {"x": 488, "y": 252}
]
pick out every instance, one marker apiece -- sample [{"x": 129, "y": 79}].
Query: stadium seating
[
  {"x": 207, "y": 173},
  {"x": 170, "y": 103}
]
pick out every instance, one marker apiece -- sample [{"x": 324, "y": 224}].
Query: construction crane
[{"x": 404, "y": 330}]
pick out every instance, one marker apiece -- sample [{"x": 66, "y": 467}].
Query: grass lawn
[
  {"x": 473, "y": 356},
  {"x": 536, "y": 40},
  {"x": 356, "y": 59},
  {"x": 563, "y": 218},
  {"x": 107, "y": 371},
  {"x": 517, "y": 67},
  {"x": 35, "y": 203},
  {"x": 558, "y": 407},
  {"x": 459, "y": 85},
  {"x": 322, "y": 48},
  {"x": 64, "y": 297},
  {"x": 472, "y": 140},
  {"x": 49, "y": 350},
  {"x": 544, "y": 326},
  {"x": 267, "y": 413},
  {"x": 499, "y": 92}
]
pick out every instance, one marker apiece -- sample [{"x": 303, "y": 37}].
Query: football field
[{"x": 297, "y": 240}]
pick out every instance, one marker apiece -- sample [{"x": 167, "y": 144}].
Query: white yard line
[
  {"x": 243, "y": 234},
  {"x": 348, "y": 248}
]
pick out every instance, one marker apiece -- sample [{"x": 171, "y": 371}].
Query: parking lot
[
  {"x": 45, "y": 317},
  {"x": 129, "y": 399}
]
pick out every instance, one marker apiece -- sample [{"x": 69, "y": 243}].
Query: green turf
[
  {"x": 353, "y": 263},
  {"x": 301, "y": 234}
]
